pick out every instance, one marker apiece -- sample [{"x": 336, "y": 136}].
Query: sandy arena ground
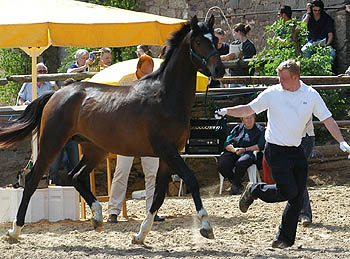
[{"x": 237, "y": 235}]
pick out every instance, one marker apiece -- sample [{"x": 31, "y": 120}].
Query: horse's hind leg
[
  {"x": 48, "y": 150},
  {"x": 158, "y": 199},
  {"x": 91, "y": 158},
  {"x": 177, "y": 164}
]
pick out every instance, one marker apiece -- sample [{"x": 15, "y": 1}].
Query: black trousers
[
  {"x": 289, "y": 170},
  {"x": 228, "y": 161}
]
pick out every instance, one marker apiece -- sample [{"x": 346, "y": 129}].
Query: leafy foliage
[
  {"x": 12, "y": 62},
  {"x": 281, "y": 47}
]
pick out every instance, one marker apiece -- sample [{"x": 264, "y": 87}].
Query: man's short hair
[
  {"x": 287, "y": 10},
  {"x": 291, "y": 65},
  {"x": 41, "y": 64},
  {"x": 105, "y": 50},
  {"x": 219, "y": 31},
  {"x": 81, "y": 52}
]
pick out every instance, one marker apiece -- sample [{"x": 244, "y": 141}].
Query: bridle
[{"x": 203, "y": 60}]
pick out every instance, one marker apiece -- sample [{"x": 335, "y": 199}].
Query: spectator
[
  {"x": 248, "y": 50},
  {"x": 82, "y": 62},
  {"x": 106, "y": 57},
  {"x": 123, "y": 166},
  {"x": 143, "y": 50},
  {"x": 289, "y": 105},
  {"x": 162, "y": 52},
  {"x": 69, "y": 154},
  {"x": 25, "y": 94},
  {"x": 346, "y": 73},
  {"x": 347, "y": 6},
  {"x": 245, "y": 138},
  {"x": 285, "y": 13},
  {"x": 223, "y": 47},
  {"x": 320, "y": 26}
]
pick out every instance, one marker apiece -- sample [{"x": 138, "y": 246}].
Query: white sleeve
[
  {"x": 320, "y": 109},
  {"x": 260, "y": 103}
]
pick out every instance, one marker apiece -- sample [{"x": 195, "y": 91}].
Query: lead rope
[
  {"x": 223, "y": 15},
  {"x": 231, "y": 31}
]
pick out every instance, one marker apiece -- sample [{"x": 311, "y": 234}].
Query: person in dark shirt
[
  {"x": 223, "y": 49},
  {"x": 248, "y": 50},
  {"x": 320, "y": 26},
  {"x": 245, "y": 138}
]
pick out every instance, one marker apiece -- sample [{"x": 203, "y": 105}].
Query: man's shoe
[
  {"x": 158, "y": 219},
  {"x": 236, "y": 189},
  {"x": 279, "y": 244},
  {"x": 113, "y": 218},
  {"x": 305, "y": 220},
  {"x": 246, "y": 199}
]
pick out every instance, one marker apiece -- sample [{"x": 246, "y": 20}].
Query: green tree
[{"x": 12, "y": 62}]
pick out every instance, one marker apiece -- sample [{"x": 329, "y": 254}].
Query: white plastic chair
[{"x": 253, "y": 175}]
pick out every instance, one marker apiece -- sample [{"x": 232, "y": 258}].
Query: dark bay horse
[{"x": 149, "y": 118}]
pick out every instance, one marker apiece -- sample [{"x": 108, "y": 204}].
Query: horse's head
[{"x": 204, "y": 54}]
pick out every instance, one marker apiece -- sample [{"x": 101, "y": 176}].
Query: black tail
[{"x": 28, "y": 122}]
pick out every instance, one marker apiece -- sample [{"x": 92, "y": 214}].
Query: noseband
[{"x": 203, "y": 60}]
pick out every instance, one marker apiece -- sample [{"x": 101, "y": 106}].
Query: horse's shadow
[{"x": 140, "y": 250}]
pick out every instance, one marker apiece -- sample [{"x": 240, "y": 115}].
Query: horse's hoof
[
  {"x": 12, "y": 234},
  {"x": 207, "y": 233},
  {"x": 135, "y": 241},
  {"x": 97, "y": 225}
]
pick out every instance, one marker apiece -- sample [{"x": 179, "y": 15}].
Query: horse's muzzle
[{"x": 219, "y": 70}]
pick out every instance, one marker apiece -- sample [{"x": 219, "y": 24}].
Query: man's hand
[
  {"x": 344, "y": 146},
  {"x": 220, "y": 113},
  {"x": 308, "y": 8}
]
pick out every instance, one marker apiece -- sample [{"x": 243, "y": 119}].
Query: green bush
[{"x": 12, "y": 62}]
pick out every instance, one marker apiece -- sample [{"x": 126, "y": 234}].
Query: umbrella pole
[
  {"x": 34, "y": 96},
  {"x": 34, "y": 52}
]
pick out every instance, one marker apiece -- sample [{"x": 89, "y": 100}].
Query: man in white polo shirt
[{"x": 289, "y": 106}]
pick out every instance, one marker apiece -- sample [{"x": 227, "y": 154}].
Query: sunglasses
[
  {"x": 316, "y": 10},
  {"x": 42, "y": 71}
]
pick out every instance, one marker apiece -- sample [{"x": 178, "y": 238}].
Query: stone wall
[
  {"x": 12, "y": 160},
  {"x": 258, "y": 13}
]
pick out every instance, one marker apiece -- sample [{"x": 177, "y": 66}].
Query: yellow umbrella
[
  {"x": 40, "y": 23},
  {"x": 114, "y": 73},
  {"x": 34, "y": 25}
]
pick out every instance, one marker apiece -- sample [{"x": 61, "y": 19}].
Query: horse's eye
[{"x": 198, "y": 42}]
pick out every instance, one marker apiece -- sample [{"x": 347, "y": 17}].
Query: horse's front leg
[{"x": 158, "y": 199}]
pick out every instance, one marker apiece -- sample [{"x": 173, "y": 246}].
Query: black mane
[{"x": 173, "y": 43}]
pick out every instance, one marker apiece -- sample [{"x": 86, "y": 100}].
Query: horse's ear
[
  {"x": 194, "y": 23},
  {"x": 211, "y": 21}
]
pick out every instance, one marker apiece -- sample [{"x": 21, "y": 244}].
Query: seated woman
[{"x": 245, "y": 138}]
